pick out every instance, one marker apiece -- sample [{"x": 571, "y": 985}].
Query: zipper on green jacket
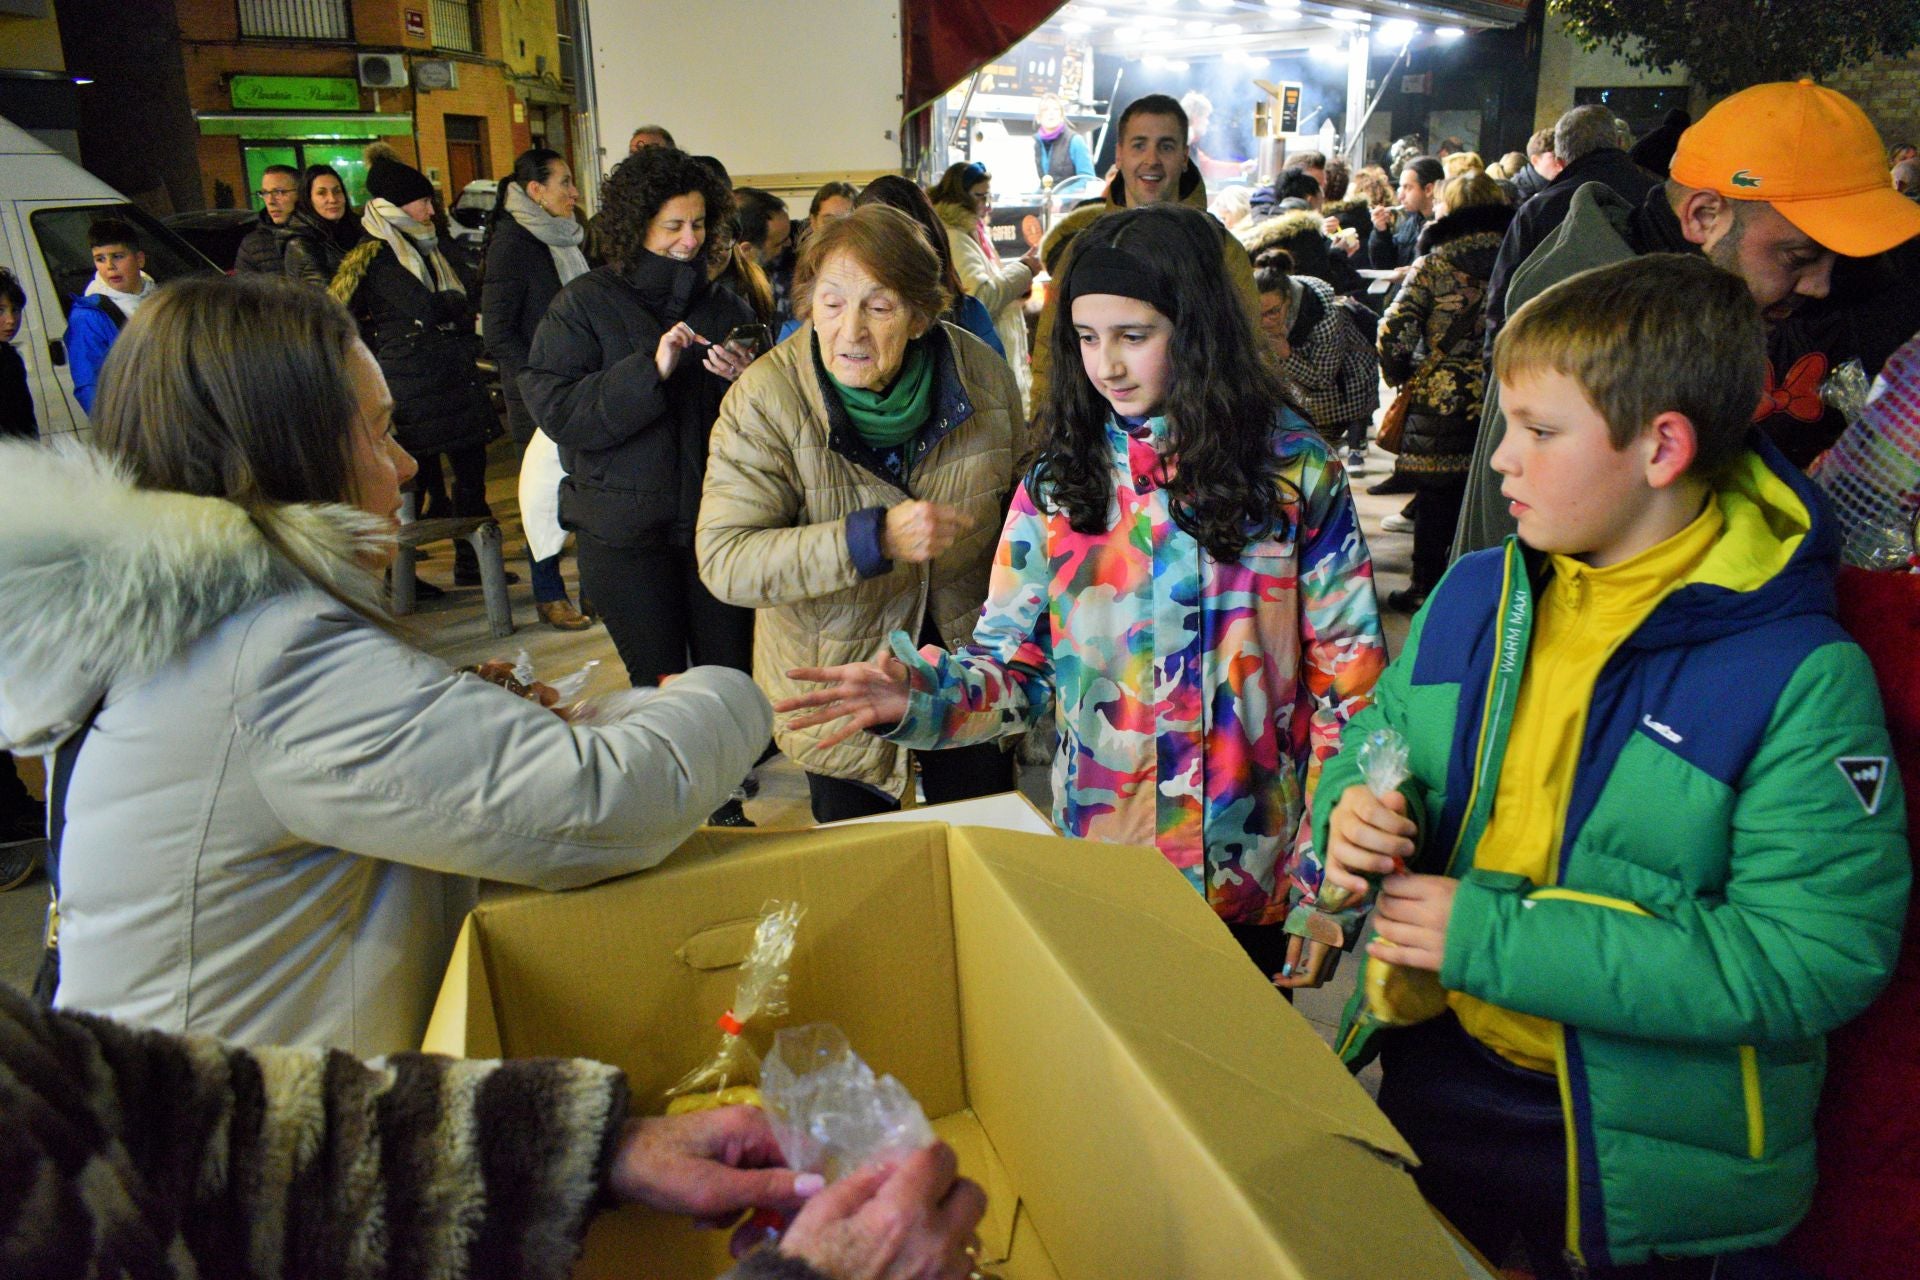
[
  {"x": 1575, "y": 1258},
  {"x": 1557, "y": 894},
  {"x": 1515, "y": 630},
  {"x": 1756, "y": 1109},
  {"x": 1556, "y": 874},
  {"x": 1515, "y": 627}
]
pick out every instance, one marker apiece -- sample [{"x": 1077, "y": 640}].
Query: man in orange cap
[{"x": 1785, "y": 185}]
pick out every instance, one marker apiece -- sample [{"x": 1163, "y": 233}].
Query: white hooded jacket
[{"x": 273, "y": 829}]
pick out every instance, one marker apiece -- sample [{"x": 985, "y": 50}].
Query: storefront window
[{"x": 346, "y": 158}]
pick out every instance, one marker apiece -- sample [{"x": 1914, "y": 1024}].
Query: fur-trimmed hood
[
  {"x": 353, "y": 269},
  {"x": 1478, "y": 220},
  {"x": 958, "y": 216},
  {"x": 103, "y": 583},
  {"x": 1278, "y": 230}
]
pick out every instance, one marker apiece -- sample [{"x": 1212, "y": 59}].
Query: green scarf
[{"x": 888, "y": 419}]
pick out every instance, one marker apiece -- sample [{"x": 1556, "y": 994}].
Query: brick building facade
[
  {"x": 1888, "y": 90},
  {"x": 460, "y": 88}
]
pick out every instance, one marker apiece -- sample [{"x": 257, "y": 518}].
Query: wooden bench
[{"x": 482, "y": 533}]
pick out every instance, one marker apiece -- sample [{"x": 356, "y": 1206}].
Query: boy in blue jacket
[
  {"x": 1657, "y": 848},
  {"x": 120, "y": 284}
]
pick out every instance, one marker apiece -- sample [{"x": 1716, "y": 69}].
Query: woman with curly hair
[
  {"x": 323, "y": 229},
  {"x": 1182, "y": 572},
  {"x": 626, "y": 373}
]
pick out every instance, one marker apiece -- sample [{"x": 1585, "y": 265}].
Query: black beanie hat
[{"x": 388, "y": 178}]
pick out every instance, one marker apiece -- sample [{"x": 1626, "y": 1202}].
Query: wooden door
[{"x": 466, "y": 153}]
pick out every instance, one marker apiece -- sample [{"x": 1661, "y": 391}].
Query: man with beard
[{"x": 1785, "y": 186}]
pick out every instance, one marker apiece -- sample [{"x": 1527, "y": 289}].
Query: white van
[
  {"x": 471, "y": 209},
  {"x": 46, "y": 205}
]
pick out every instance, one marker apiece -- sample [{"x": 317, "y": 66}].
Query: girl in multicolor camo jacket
[{"x": 1182, "y": 576}]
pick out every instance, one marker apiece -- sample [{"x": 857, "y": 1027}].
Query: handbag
[{"x": 1393, "y": 423}]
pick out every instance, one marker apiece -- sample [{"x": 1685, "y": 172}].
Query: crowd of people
[{"x": 858, "y": 489}]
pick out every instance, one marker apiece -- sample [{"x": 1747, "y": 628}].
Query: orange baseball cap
[{"x": 1811, "y": 154}]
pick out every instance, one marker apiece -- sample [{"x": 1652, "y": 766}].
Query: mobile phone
[{"x": 753, "y": 339}]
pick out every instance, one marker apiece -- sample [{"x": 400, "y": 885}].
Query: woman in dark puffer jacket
[
  {"x": 534, "y": 246},
  {"x": 415, "y": 315},
  {"x": 626, "y": 373},
  {"x": 323, "y": 229},
  {"x": 1430, "y": 340}
]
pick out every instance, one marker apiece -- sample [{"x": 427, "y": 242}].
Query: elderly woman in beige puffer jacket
[{"x": 855, "y": 485}]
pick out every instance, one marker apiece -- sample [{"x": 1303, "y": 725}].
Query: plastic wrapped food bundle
[
  {"x": 521, "y": 680},
  {"x": 731, "y": 1074},
  {"x": 1872, "y": 474},
  {"x": 830, "y": 1113},
  {"x": 1383, "y": 767},
  {"x": 1396, "y": 996}
]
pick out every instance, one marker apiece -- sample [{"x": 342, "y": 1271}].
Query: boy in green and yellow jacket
[{"x": 1657, "y": 846}]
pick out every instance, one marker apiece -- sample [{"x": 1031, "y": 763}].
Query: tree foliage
[{"x": 1730, "y": 44}]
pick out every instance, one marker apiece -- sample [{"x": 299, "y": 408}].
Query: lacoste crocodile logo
[{"x": 1745, "y": 178}]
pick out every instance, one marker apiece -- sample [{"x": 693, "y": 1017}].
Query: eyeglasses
[{"x": 265, "y": 192}]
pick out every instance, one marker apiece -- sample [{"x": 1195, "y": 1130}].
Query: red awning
[{"x": 948, "y": 40}]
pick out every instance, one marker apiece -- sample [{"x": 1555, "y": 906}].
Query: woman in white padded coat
[
  {"x": 961, "y": 198},
  {"x": 276, "y": 821}
]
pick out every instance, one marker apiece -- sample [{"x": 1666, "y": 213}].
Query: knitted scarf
[
  {"x": 562, "y": 236},
  {"x": 888, "y": 419},
  {"x": 416, "y": 244}
]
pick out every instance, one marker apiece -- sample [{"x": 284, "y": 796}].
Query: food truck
[{"x": 793, "y": 97}]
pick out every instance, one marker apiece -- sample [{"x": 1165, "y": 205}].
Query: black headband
[{"x": 1105, "y": 269}]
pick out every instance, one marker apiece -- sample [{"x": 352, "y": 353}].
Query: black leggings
[
  {"x": 1436, "y": 510},
  {"x": 469, "y": 484},
  {"x": 960, "y": 773},
  {"x": 18, "y": 808},
  {"x": 661, "y": 616}
]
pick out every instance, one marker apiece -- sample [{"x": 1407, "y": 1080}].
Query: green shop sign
[{"x": 294, "y": 93}]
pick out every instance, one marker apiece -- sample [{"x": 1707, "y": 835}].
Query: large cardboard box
[{"x": 1137, "y": 1102}]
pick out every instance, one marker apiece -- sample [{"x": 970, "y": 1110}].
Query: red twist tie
[{"x": 730, "y": 1024}]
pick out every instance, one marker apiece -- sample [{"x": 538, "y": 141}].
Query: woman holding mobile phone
[{"x": 626, "y": 373}]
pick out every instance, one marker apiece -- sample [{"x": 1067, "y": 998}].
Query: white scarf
[
  {"x": 127, "y": 302},
  {"x": 562, "y": 236},
  {"x": 416, "y": 244}
]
